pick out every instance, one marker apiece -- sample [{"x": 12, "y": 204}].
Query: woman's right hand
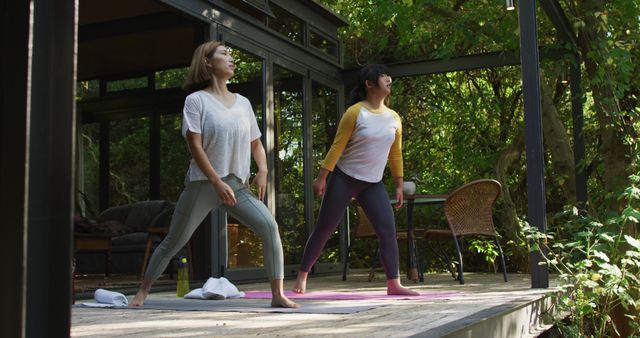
[
  {"x": 318, "y": 185},
  {"x": 225, "y": 193}
]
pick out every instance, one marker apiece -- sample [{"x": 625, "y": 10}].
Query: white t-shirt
[
  {"x": 365, "y": 139},
  {"x": 226, "y": 133},
  {"x": 365, "y": 155}
]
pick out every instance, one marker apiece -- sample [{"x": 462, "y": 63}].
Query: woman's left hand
[
  {"x": 260, "y": 182},
  {"x": 399, "y": 197}
]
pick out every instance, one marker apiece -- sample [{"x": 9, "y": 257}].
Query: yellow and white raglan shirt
[{"x": 365, "y": 139}]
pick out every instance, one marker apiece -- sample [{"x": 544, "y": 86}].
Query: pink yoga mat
[{"x": 323, "y": 295}]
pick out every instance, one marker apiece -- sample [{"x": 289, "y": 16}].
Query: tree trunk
[
  {"x": 557, "y": 143},
  {"x": 509, "y": 217},
  {"x": 616, "y": 157},
  {"x": 592, "y": 47}
]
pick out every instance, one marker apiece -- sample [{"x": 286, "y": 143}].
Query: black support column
[
  {"x": 15, "y": 28},
  {"x": 533, "y": 134},
  {"x": 36, "y": 165},
  {"x": 51, "y": 148}
]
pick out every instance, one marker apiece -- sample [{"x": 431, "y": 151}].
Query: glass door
[
  {"x": 324, "y": 114},
  {"x": 244, "y": 247},
  {"x": 298, "y": 117},
  {"x": 288, "y": 92}
]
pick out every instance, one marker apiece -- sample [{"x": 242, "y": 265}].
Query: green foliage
[
  {"x": 170, "y": 78},
  {"x": 487, "y": 249},
  {"x": 87, "y": 89},
  {"x": 424, "y": 28},
  {"x": 455, "y": 127},
  {"x": 128, "y": 140},
  {"x": 127, "y": 84},
  {"x": 455, "y": 124},
  {"x": 598, "y": 266},
  {"x": 248, "y": 67}
]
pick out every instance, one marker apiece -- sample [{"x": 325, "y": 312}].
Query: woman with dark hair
[
  {"x": 222, "y": 133},
  {"x": 368, "y": 134}
]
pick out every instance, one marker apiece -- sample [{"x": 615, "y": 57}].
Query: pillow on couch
[
  {"x": 136, "y": 238},
  {"x": 142, "y": 213},
  {"x": 117, "y": 213},
  {"x": 163, "y": 219}
]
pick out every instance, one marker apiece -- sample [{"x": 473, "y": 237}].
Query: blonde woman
[{"x": 222, "y": 133}]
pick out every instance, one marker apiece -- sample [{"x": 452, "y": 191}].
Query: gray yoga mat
[{"x": 252, "y": 305}]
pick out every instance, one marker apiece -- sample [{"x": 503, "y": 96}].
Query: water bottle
[{"x": 182, "y": 288}]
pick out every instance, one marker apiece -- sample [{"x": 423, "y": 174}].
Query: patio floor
[{"x": 484, "y": 307}]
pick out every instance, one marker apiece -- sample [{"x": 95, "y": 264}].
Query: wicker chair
[
  {"x": 468, "y": 210},
  {"x": 364, "y": 230}
]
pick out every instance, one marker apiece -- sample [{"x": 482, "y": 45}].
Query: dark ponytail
[
  {"x": 357, "y": 94},
  {"x": 367, "y": 73}
]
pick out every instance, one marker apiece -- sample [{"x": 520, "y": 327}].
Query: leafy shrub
[{"x": 598, "y": 265}]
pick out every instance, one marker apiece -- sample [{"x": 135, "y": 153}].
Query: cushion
[
  {"x": 142, "y": 213},
  {"x": 118, "y": 213},
  {"x": 163, "y": 219},
  {"x": 131, "y": 238}
]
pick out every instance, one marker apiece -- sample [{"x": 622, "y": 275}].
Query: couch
[{"x": 127, "y": 225}]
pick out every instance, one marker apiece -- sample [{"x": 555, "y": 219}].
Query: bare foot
[
  {"x": 402, "y": 291},
  {"x": 138, "y": 300},
  {"x": 283, "y": 301},
  {"x": 395, "y": 288},
  {"x": 301, "y": 282},
  {"x": 278, "y": 299}
]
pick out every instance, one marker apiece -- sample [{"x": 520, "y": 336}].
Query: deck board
[{"x": 488, "y": 307}]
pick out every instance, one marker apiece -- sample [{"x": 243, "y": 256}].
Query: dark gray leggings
[{"x": 374, "y": 200}]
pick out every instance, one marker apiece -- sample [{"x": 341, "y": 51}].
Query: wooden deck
[{"x": 485, "y": 307}]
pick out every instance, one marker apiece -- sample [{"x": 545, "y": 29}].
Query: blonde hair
[{"x": 199, "y": 76}]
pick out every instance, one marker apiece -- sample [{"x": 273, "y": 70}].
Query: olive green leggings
[{"x": 196, "y": 201}]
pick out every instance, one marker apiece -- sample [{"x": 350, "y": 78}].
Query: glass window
[
  {"x": 247, "y": 79},
  {"x": 87, "y": 89},
  {"x": 324, "y": 111},
  {"x": 127, "y": 84},
  {"x": 174, "y": 157},
  {"x": 129, "y": 161},
  {"x": 255, "y": 8},
  {"x": 289, "y": 179},
  {"x": 171, "y": 78},
  {"x": 327, "y": 45},
  {"x": 286, "y": 24},
  {"x": 89, "y": 164}
]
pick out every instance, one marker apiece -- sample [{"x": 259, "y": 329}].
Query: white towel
[
  {"x": 110, "y": 297},
  {"x": 212, "y": 289},
  {"x": 231, "y": 291},
  {"x": 194, "y": 294},
  {"x": 106, "y": 298},
  {"x": 215, "y": 288},
  {"x": 198, "y": 294}
]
